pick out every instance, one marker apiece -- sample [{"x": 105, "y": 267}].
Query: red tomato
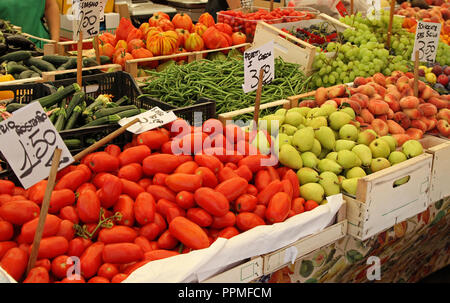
[
  {"x": 119, "y": 278},
  {"x": 60, "y": 266},
  {"x": 167, "y": 240},
  {"x": 212, "y": 201},
  {"x": 262, "y": 179},
  {"x": 225, "y": 221},
  {"x": 85, "y": 186},
  {"x": 143, "y": 243},
  {"x": 6, "y": 187},
  {"x": 132, "y": 172},
  {"x": 72, "y": 180},
  {"x": 144, "y": 208},
  {"x": 145, "y": 182},
  {"x": 185, "y": 199},
  {"x": 211, "y": 162},
  {"x": 103, "y": 162},
  {"x": 159, "y": 254},
  {"x": 260, "y": 210},
  {"x": 188, "y": 233},
  {"x": 244, "y": 172},
  {"x": 161, "y": 163},
  {"x": 51, "y": 227},
  {"x": 228, "y": 232},
  {"x": 188, "y": 167},
  {"x": 161, "y": 192},
  {"x": 183, "y": 182},
  {"x": 122, "y": 253},
  {"x": 69, "y": 213},
  {"x": 59, "y": 199},
  {"x": 19, "y": 212},
  {"x": 4, "y": 198},
  {"x": 199, "y": 216},
  {"x": 254, "y": 162},
  {"x": 232, "y": 188},
  {"x": 246, "y": 203},
  {"x": 6, "y": 231},
  {"x": 125, "y": 205},
  {"x": 135, "y": 154},
  {"x": 226, "y": 173},
  {"x": 292, "y": 177},
  {"x": 278, "y": 207},
  {"x": 252, "y": 190},
  {"x": 174, "y": 212},
  {"x": 14, "y": 262},
  {"x": 310, "y": 205},
  {"x": 99, "y": 179},
  {"x": 37, "y": 275},
  {"x": 110, "y": 191},
  {"x": 150, "y": 231},
  {"x": 91, "y": 259},
  {"x": 154, "y": 139},
  {"x": 282, "y": 171},
  {"x": 267, "y": 193},
  {"x": 113, "y": 149},
  {"x": 73, "y": 280},
  {"x": 160, "y": 179},
  {"x": 117, "y": 234},
  {"x": 209, "y": 179},
  {"x": 37, "y": 191},
  {"x": 248, "y": 220},
  {"x": 108, "y": 271},
  {"x": 51, "y": 247},
  {"x": 88, "y": 207},
  {"x": 5, "y": 246},
  {"x": 98, "y": 280},
  {"x": 287, "y": 188},
  {"x": 77, "y": 246},
  {"x": 297, "y": 205}
]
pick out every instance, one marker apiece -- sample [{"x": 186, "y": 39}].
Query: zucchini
[
  {"x": 73, "y": 118},
  {"x": 59, "y": 95},
  {"x": 61, "y": 119},
  {"x": 15, "y": 68},
  {"x": 129, "y": 113},
  {"x": 72, "y": 143},
  {"x": 70, "y": 64},
  {"x": 53, "y": 116},
  {"x": 110, "y": 111},
  {"x": 89, "y": 62},
  {"x": 111, "y": 119},
  {"x": 11, "y": 107},
  {"x": 36, "y": 70},
  {"x": 56, "y": 60},
  {"x": 76, "y": 99},
  {"x": 105, "y": 60},
  {"x": 26, "y": 74},
  {"x": 91, "y": 141},
  {"x": 101, "y": 100},
  {"x": 41, "y": 64},
  {"x": 122, "y": 100},
  {"x": 16, "y": 56}
]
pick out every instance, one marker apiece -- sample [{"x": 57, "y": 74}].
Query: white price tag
[
  {"x": 255, "y": 59},
  {"x": 28, "y": 140},
  {"x": 87, "y": 16},
  {"x": 374, "y": 10},
  {"x": 151, "y": 119},
  {"x": 426, "y": 41}
]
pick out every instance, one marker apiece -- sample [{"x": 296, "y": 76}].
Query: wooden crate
[
  {"x": 131, "y": 66},
  {"x": 378, "y": 205},
  {"x": 230, "y": 115},
  {"x": 440, "y": 172}
]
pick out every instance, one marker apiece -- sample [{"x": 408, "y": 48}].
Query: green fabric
[{"x": 27, "y": 14}]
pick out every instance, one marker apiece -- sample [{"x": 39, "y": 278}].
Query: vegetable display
[{"x": 221, "y": 81}]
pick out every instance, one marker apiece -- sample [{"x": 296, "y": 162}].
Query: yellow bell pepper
[{"x": 7, "y": 94}]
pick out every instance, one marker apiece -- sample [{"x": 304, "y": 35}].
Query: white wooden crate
[
  {"x": 379, "y": 205},
  {"x": 242, "y": 273}
]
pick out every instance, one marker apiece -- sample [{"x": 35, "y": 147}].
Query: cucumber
[
  {"x": 76, "y": 99},
  {"x": 105, "y": 60},
  {"x": 15, "y": 68},
  {"x": 72, "y": 143},
  {"x": 56, "y": 60},
  {"x": 41, "y": 64},
  {"x": 73, "y": 118},
  {"x": 70, "y": 64},
  {"x": 111, "y": 119},
  {"x": 110, "y": 111},
  {"x": 36, "y": 70},
  {"x": 16, "y": 56},
  {"x": 26, "y": 74},
  {"x": 59, "y": 95},
  {"x": 129, "y": 113},
  {"x": 11, "y": 107},
  {"x": 89, "y": 62}
]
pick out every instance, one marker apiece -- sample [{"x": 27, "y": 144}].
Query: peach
[
  {"x": 409, "y": 102},
  {"x": 362, "y": 99},
  {"x": 353, "y": 104},
  {"x": 320, "y": 95},
  {"x": 332, "y": 102},
  {"x": 390, "y": 80},
  {"x": 367, "y": 90},
  {"x": 408, "y": 91},
  {"x": 397, "y": 74},
  {"x": 366, "y": 115},
  {"x": 358, "y": 81},
  {"x": 381, "y": 117},
  {"x": 427, "y": 109},
  {"x": 359, "y": 119},
  {"x": 414, "y": 133},
  {"x": 443, "y": 127},
  {"x": 391, "y": 89},
  {"x": 401, "y": 138},
  {"x": 380, "y": 90},
  {"x": 380, "y": 79},
  {"x": 380, "y": 127},
  {"x": 429, "y": 122},
  {"x": 419, "y": 124},
  {"x": 307, "y": 103},
  {"x": 352, "y": 90},
  {"x": 402, "y": 83},
  {"x": 336, "y": 91},
  {"x": 412, "y": 113},
  {"x": 402, "y": 119},
  {"x": 378, "y": 107},
  {"x": 444, "y": 113},
  {"x": 427, "y": 93},
  {"x": 391, "y": 100},
  {"x": 394, "y": 127},
  {"x": 438, "y": 102},
  {"x": 390, "y": 114}
]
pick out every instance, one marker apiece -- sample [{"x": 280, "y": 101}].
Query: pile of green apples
[{"x": 330, "y": 151}]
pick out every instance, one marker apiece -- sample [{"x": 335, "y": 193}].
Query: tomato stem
[{"x": 82, "y": 231}]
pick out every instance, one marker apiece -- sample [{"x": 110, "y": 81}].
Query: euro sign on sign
[{"x": 87, "y": 16}]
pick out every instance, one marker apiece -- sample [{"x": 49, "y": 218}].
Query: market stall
[{"x": 156, "y": 154}]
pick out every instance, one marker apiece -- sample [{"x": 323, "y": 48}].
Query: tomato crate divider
[{"x": 378, "y": 205}]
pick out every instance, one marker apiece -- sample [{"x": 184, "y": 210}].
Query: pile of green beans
[{"x": 221, "y": 81}]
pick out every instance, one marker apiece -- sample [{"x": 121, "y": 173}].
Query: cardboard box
[{"x": 110, "y": 24}]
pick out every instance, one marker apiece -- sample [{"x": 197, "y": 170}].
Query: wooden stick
[
  {"x": 258, "y": 96},
  {"x": 44, "y": 209},
  {"x": 97, "y": 52},
  {"x": 80, "y": 59},
  {"x": 351, "y": 7},
  {"x": 271, "y": 5},
  {"x": 105, "y": 140},
  {"x": 391, "y": 19},
  {"x": 416, "y": 74}
]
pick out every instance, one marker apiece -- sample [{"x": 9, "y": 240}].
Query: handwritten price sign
[
  {"x": 255, "y": 59},
  {"x": 151, "y": 119},
  {"x": 426, "y": 41},
  {"x": 28, "y": 140},
  {"x": 87, "y": 17}
]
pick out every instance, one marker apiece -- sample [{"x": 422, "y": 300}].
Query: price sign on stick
[
  {"x": 28, "y": 140},
  {"x": 374, "y": 10},
  {"x": 87, "y": 15},
  {"x": 426, "y": 41},
  {"x": 255, "y": 59},
  {"x": 151, "y": 119}
]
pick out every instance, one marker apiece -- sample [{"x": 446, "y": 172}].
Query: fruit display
[
  {"x": 318, "y": 35},
  {"x": 362, "y": 53},
  {"x": 221, "y": 80},
  {"x": 245, "y": 20},
  {"x": 161, "y": 36},
  {"x": 437, "y": 76},
  {"x": 440, "y": 13}
]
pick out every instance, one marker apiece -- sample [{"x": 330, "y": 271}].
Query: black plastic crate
[{"x": 26, "y": 92}]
